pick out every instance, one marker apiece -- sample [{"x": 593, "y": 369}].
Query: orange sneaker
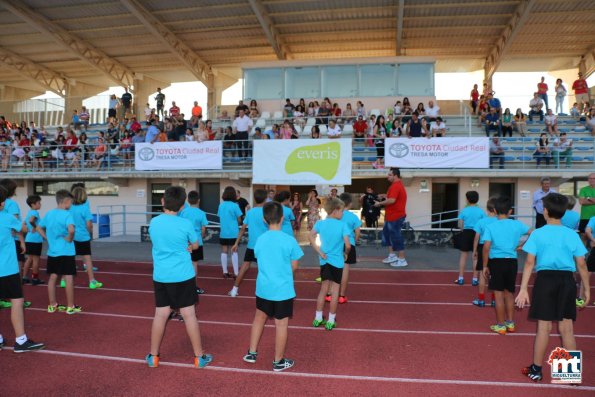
[
  {"x": 327, "y": 298},
  {"x": 342, "y": 299}
]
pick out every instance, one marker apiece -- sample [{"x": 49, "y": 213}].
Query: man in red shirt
[
  {"x": 174, "y": 111},
  {"x": 360, "y": 127},
  {"x": 542, "y": 91},
  {"x": 394, "y": 203},
  {"x": 581, "y": 90}
]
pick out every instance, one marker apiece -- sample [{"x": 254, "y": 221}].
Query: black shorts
[
  {"x": 582, "y": 225},
  {"x": 479, "y": 264},
  {"x": 111, "y": 113},
  {"x": 34, "y": 248},
  {"x": 228, "y": 242},
  {"x": 275, "y": 309},
  {"x": 11, "y": 287},
  {"x": 176, "y": 295},
  {"x": 591, "y": 260},
  {"x": 467, "y": 240},
  {"x": 20, "y": 255},
  {"x": 61, "y": 265},
  {"x": 503, "y": 273},
  {"x": 329, "y": 272},
  {"x": 249, "y": 256},
  {"x": 197, "y": 254},
  {"x": 82, "y": 247},
  {"x": 351, "y": 256},
  {"x": 554, "y": 296}
]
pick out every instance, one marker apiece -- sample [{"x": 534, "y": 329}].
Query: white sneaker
[
  {"x": 233, "y": 293},
  {"x": 399, "y": 263},
  {"x": 390, "y": 259}
]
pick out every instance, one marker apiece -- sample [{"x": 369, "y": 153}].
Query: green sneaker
[
  {"x": 95, "y": 284},
  {"x": 74, "y": 310},
  {"x": 318, "y": 279},
  {"x": 580, "y": 302},
  {"x": 5, "y": 304},
  {"x": 499, "y": 329},
  {"x": 329, "y": 326},
  {"x": 52, "y": 308},
  {"x": 26, "y": 304},
  {"x": 62, "y": 284},
  {"x": 318, "y": 323}
]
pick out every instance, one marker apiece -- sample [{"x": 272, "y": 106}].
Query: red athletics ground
[{"x": 403, "y": 332}]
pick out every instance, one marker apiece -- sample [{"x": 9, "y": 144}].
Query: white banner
[
  {"x": 302, "y": 162},
  {"x": 463, "y": 152},
  {"x": 179, "y": 156}
]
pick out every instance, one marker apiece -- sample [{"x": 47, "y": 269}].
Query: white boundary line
[
  {"x": 357, "y": 330},
  {"x": 328, "y": 376}
]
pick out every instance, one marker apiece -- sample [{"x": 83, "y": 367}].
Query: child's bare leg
[
  {"x": 566, "y": 329},
  {"x": 280, "y": 337},
  {"x": 462, "y": 263},
  {"x": 189, "y": 315},
  {"x": 69, "y": 290},
  {"x": 27, "y": 265},
  {"x": 34, "y": 264},
  {"x": 260, "y": 319},
  {"x": 324, "y": 287},
  {"x": 541, "y": 341},
  {"x": 500, "y": 309},
  {"x": 17, "y": 317},
  {"x": 243, "y": 270},
  {"x": 344, "y": 280},
  {"x": 334, "y": 297},
  {"x": 89, "y": 262},
  {"x": 482, "y": 283},
  {"x": 509, "y": 305},
  {"x": 52, "y": 288},
  {"x": 158, "y": 328}
]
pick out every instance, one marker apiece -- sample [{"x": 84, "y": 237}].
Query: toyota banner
[
  {"x": 178, "y": 156},
  {"x": 437, "y": 152}
]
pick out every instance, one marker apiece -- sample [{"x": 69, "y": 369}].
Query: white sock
[
  {"x": 331, "y": 317},
  {"x": 21, "y": 339},
  {"x": 224, "y": 262},
  {"x": 234, "y": 262},
  {"x": 318, "y": 315},
  {"x": 234, "y": 289}
]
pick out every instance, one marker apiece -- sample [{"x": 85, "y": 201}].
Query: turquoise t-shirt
[
  {"x": 275, "y": 250},
  {"x": 197, "y": 217},
  {"x": 12, "y": 208},
  {"x": 8, "y": 259},
  {"x": 228, "y": 213},
  {"x": 81, "y": 214},
  {"x": 256, "y": 225},
  {"x": 480, "y": 227},
  {"x": 555, "y": 248},
  {"x": 352, "y": 222},
  {"x": 470, "y": 216},
  {"x": 32, "y": 235},
  {"x": 56, "y": 224},
  {"x": 331, "y": 233},
  {"x": 505, "y": 235},
  {"x": 171, "y": 236},
  {"x": 571, "y": 219},
  {"x": 591, "y": 224},
  {"x": 288, "y": 217}
]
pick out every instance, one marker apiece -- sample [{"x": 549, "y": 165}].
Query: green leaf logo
[{"x": 322, "y": 160}]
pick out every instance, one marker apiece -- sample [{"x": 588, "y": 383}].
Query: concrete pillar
[
  {"x": 145, "y": 87},
  {"x": 216, "y": 85},
  {"x": 9, "y": 97}
]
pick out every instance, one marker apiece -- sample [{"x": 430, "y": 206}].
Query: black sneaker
[
  {"x": 28, "y": 346},
  {"x": 200, "y": 291},
  {"x": 251, "y": 357},
  {"x": 37, "y": 281},
  {"x": 532, "y": 374},
  {"x": 26, "y": 280},
  {"x": 282, "y": 364},
  {"x": 1, "y": 345}
]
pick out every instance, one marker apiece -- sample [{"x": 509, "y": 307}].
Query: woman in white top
[
  {"x": 361, "y": 110},
  {"x": 201, "y": 134},
  {"x": 189, "y": 137},
  {"x": 560, "y": 94},
  {"x": 334, "y": 131}
]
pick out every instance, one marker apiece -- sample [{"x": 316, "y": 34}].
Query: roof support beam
[
  {"x": 45, "y": 77},
  {"x": 400, "y": 12},
  {"x": 199, "y": 68},
  {"x": 519, "y": 17},
  {"x": 270, "y": 30},
  {"x": 113, "y": 69}
]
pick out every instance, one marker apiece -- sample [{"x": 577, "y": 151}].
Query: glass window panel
[
  {"x": 416, "y": 79},
  {"x": 263, "y": 83},
  {"x": 302, "y": 82},
  {"x": 94, "y": 188},
  {"x": 377, "y": 80},
  {"x": 339, "y": 81}
]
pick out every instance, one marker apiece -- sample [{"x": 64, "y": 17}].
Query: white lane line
[
  {"x": 299, "y": 327},
  {"x": 460, "y": 382}
]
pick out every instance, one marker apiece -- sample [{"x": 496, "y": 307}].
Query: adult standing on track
[
  {"x": 586, "y": 197},
  {"x": 538, "y": 196},
  {"x": 394, "y": 203}
]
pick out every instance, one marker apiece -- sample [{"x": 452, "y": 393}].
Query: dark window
[{"x": 94, "y": 188}]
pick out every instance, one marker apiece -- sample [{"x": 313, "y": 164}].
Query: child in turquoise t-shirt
[
  {"x": 353, "y": 223},
  {"x": 283, "y": 198},
  {"x": 571, "y": 219},
  {"x": 469, "y": 216},
  {"x": 230, "y": 218},
  {"x": 478, "y": 242},
  {"x": 33, "y": 241},
  {"x": 199, "y": 221}
]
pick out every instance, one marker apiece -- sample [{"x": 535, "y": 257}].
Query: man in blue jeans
[{"x": 394, "y": 203}]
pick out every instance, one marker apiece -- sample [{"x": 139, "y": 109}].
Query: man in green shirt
[{"x": 586, "y": 197}]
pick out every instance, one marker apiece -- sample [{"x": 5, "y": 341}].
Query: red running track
[{"x": 402, "y": 333}]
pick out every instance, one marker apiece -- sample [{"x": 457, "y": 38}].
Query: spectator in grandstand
[
  {"x": 4, "y": 151},
  {"x": 371, "y": 124},
  {"x": 542, "y": 89},
  {"x": 360, "y": 127},
  {"x": 286, "y": 130},
  {"x": 135, "y": 126},
  {"x": 506, "y": 123},
  {"x": 201, "y": 134},
  {"x": 575, "y": 111},
  {"x": 421, "y": 110},
  {"x": 313, "y": 204},
  {"x": 254, "y": 113},
  {"x": 315, "y": 133},
  {"x": 242, "y": 106},
  {"x": 299, "y": 114},
  {"x": 520, "y": 122},
  {"x": 538, "y": 196},
  {"x": 562, "y": 149},
  {"x": 152, "y": 132},
  {"x": 196, "y": 114},
  {"x": 189, "y": 137},
  {"x": 76, "y": 121},
  {"x": 169, "y": 127},
  {"x": 324, "y": 113},
  {"x": 474, "y": 98},
  {"x": 560, "y": 95},
  {"x": 209, "y": 127},
  {"x": 361, "y": 110},
  {"x": 493, "y": 122},
  {"x": 482, "y": 110},
  {"x": 486, "y": 89},
  {"x": 174, "y": 110},
  {"x": 590, "y": 125},
  {"x": 273, "y": 132},
  {"x": 148, "y": 112},
  {"x": 581, "y": 91},
  {"x": 336, "y": 112},
  {"x": 432, "y": 111},
  {"x": 127, "y": 100},
  {"x": 416, "y": 127},
  {"x": 494, "y": 102},
  {"x": 551, "y": 123},
  {"x": 229, "y": 142},
  {"x": 242, "y": 125},
  {"x": 219, "y": 134},
  {"x": 139, "y": 137},
  {"x": 311, "y": 111},
  {"x": 180, "y": 126},
  {"x": 536, "y": 106},
  {"x": 334, "y": 131},
  {"x": 126, "y": 148},
  {"x": 542, "y": 150},
  {"x": 438, "y": 128},
  {"x": 257, "y": 134},
  {"x": 71, "y": 150},
  {"x": 100, "y": 153},
  {"x": 496, "y": 151},
  {"x": 113, "y": 105},
  {"x": 396, "y": 127},
  {"x": 380, "y": 131},
  {"x": 348, "y": 114},
  {"x": 84, "y": 117},
  {"x": 288, "y": 108},
  {"x": 224, "y": 116},
  {"x": 406, "y": 109},
  {"x": 160, "y": 99}
]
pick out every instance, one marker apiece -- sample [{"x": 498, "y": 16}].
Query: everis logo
[{"x": 322, "y": 160}]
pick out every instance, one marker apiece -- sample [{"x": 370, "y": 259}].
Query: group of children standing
[{"x": 555, "y": 251}]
